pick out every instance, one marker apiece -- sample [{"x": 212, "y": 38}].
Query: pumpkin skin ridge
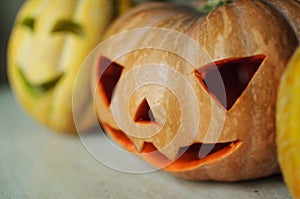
[
  {"x": 240, "y": 168},
  {"x": 286, "y": 13},
  {"x": 175, "y": 165},
  {"x": 136, "y": 11}
]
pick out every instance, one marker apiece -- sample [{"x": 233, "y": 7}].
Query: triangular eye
[
  {"x": 109, "y": 74},
  {"x": 144, "y": 113},
  {"x": 236, "y": 73}
]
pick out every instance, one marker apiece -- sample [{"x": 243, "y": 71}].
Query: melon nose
[
  {"x": 41, "y": 58},
  {"x": 41, "y": 75}
]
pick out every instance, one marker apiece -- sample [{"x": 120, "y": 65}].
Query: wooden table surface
[{"x": 38, "y": 163}]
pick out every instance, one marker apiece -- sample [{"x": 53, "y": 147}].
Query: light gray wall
[{"x": 8, "y": 11}]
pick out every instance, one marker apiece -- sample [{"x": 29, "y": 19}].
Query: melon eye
[
  {"x": 67, "y": 26},
  {"x": 29, "y": 22}
]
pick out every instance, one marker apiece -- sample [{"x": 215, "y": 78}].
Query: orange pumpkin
[{"x": 225, "y": 110}]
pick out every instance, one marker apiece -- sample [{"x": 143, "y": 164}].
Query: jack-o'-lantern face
[
  {"x": 49, "y": 41},
  {"x": 213, "y": 120}
]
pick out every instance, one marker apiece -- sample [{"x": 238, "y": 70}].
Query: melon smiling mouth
[{"x": 39, "y": 89}]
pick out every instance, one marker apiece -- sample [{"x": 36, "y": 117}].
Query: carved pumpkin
[
  {"x": 246, "y": 44},
  {"x": 49, "y": 41}
]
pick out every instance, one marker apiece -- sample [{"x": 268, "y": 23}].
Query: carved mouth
[
  {"x": 188, "y": 157},
  {"x": 40, "y": 89}
]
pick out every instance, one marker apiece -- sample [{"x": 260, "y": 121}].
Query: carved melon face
[
  {"x": 235, "y": 136},
  {"x": 49, "y": 41}
]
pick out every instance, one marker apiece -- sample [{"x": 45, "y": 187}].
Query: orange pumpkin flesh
[
  {"x": 188, "y": 157},
  {"x": 250, "y": 55}
]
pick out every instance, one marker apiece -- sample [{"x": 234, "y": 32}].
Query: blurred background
[{"x": 8, "y": 11}]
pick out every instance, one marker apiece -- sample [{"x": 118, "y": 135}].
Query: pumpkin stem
[{"x": 211, "y": 5}]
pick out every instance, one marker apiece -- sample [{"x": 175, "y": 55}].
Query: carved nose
[{"x": 144, "y": 113}]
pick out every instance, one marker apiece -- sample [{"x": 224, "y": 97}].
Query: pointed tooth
[
  {"x": 138, "y": 143},
  {"x": 171, "y": 152}
]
